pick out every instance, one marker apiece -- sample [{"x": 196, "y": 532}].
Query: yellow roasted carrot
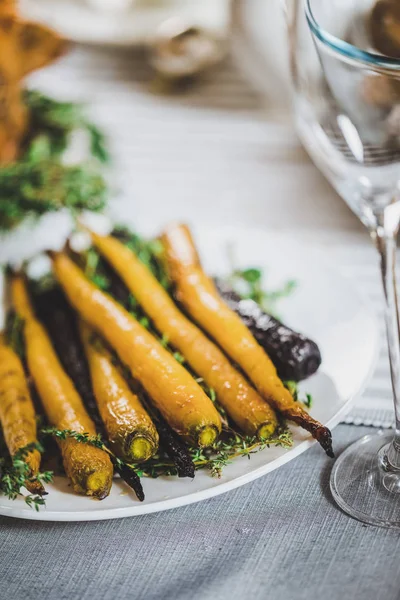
[
  {"x": 179, "y": 398},
  {"x": 89, "y": 469},
  {"x": 241, "y": 401},
  {"x": 17, "y": 414},
  {"x": 199, "y": 296},
  {"x": 129, "y": 428}
]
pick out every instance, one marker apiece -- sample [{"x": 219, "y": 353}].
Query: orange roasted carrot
[
  {"x": 89, "y": 468},
  {"x": 129, "y": 428},
  {"x": 179, "y": 398},
  {"x": 241, "y": 401},
  {"x": 17, "y": 414},
  {"x": 199, "y": 296}
]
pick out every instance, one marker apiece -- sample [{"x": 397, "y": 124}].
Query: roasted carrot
[
  {"x": 61, "y": 324},
  {"x": 294, "y": 355},
  {"x": 241, "y": 401},
  {"x": 179, "y": 398},
  {"x": 174, "y": 446},
  {"x": 129, "y": 428},
  {"x": 176, "y": 449},
  {"x": 198, "y": 294},
  {"x": 89, "y": 468},
  {"x": 60, "y": 321},
  {"x": 17, "y": 413}
]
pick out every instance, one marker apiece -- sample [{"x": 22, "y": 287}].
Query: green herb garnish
[
  {"x": 40, "y": 182},
  {"x": 15, "y": 475},
  {"x": 229, "y": 446},
  {"x": 35, "y": 188},
  {"x": 15, "y": 472},
  {"x": 308, "y": 400},
  {"x": 249, "y": 285},
  {"x": 179, "y": 358},
  {"x": 55, "y": 121},
  {"x": 293, "y": 388}
]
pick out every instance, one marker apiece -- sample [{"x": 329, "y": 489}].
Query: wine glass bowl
[
  {"x": 347, "y": 101},
  {"x": 347, "y": 113}
]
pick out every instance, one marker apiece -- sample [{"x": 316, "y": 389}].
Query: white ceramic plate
[
  {"x": 120, "y": 22},
  {"x": 324, "y": 306}
]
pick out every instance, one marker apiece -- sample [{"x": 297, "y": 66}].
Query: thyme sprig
[
  {"x": 83, "y": 438},
  {"x": 55, "y": 121},
  {"x": 15, "y": 475},
  {"x": 248, "y": 283},
  {"x": 40, "y": 181},
  {"x": 229, "y": 446}
]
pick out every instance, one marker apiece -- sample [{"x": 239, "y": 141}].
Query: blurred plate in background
[{"x": 123, "y": 22}]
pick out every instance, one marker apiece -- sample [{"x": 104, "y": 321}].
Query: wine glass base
[{"x": 363, "y": 486}]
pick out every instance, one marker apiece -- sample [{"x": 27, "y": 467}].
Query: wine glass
[{"x": 347, "y": 113}]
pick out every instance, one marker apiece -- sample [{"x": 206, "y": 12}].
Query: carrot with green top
[
  {"x": 17, "y": 413},
  {"x": 89, "y": 468},
  {"x": 198, "y": 294},
  {"x": 243, "y": 404},
  {"x": 181, "y": 401}
]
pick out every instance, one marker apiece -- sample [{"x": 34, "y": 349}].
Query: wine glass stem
[{"x": 385, "y": 238}]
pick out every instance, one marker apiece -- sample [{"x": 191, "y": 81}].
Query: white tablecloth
[{"x": 279, "y": 537}]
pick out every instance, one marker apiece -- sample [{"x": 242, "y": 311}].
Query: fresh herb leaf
[
  {"x": 36, "y": 187},
  {"x": 98, "y": 145},
  {"x": 248, "y": 284},
  {"x": 178, "y": 357},
  {"x": 35, "y": 501},
  {"x": 144, "y": 322},
  {"x": 56, "y": 120},
  {"x": 15, "y": 475},
  {"x": 293, "y": 388},
  {"x": 308, "y": 400},
  {"x": 164, "y": 340},
  {"x": 39, "y": 182},
  {"x": 251, "y": 275},
  {"x": 101, "y": 281},
  {"x": 229, "y": 446},
  {"x": 83, "y": 438}
]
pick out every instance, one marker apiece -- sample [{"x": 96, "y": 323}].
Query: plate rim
[{"x": 139, "y": 509}]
